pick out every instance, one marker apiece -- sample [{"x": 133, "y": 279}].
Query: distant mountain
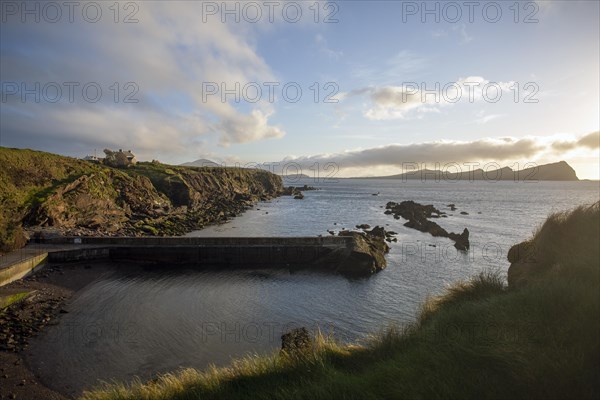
[
  {"x": 295, "y": 176},
  {"x": 560, "y": 171},
  {"x": 202, "y": 162}
]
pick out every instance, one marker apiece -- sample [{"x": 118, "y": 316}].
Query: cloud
[
  {"x": 247, "y": 128},
  {"x": 590, "y": 141},
  {"x": 325, "y": 49},
  {"x": 482, "y": 118},
  {"x": 412, "y": 99},
  {"x": 438, "y": 151},
  {"x": 168, "y": 55},
  {"x": 394, "y": 156},
  {"x": 462, "y": 29}
]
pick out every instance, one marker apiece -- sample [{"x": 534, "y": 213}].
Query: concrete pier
[{"x": 330, "y": 253}]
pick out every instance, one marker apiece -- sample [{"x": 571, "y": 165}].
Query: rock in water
[
  {"x": 417, "y": 216},
  {"x": 363, "y": 255},
  {"x": 366, "y": 254},
  {"x": 461, "y": 241}
]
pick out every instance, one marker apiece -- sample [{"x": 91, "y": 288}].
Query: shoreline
[{"x": 54, "y": 287}]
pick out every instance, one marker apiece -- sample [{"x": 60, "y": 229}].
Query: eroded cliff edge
[{"x": 75, "y": 197}]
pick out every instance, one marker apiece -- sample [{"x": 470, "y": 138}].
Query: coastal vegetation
[
  {"x": 73, "y": 196},
  {"x": 537, "y": 337}
]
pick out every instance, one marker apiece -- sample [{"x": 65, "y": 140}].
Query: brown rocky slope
[{"x": 41, "y": 190}]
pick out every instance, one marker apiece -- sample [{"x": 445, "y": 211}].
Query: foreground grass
[{"x": 478, "y": 340}]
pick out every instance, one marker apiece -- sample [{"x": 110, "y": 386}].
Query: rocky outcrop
[
  {"x": 153, "y": 201},
  {"x": 363, "y": 256},
  {"x": 296, "y": 191},
  {"x": 461, "y": 242},
  {"x": 47, "y": 191},
  {"x": 418, "y": 218}
]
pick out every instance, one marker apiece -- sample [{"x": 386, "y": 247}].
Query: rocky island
[{"x": 418, "y": 218}]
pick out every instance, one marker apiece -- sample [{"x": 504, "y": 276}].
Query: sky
[{"x": 364, "y": 86}]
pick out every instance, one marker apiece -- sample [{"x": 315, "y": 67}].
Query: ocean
[{"x": 125, "y": 324}]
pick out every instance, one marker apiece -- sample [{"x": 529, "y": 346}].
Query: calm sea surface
[{"x": 126, "y": 324}]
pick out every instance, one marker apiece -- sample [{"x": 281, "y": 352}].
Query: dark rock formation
[
  {"x": 290, "y": 191},
  {"x": 363, "y": 226},
  {"x": 417, "y": 216},
  {"x": 461, "y": 241},
  {"x": 363, "y": 256},
  {"x": 296, "y": 341},
  {"x": 306, "y": 187},
  {"x": 296, "y": 191}
]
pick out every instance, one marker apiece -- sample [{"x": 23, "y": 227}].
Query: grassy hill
[
  {"x": 480, "y": 340},
  {"x": 47, "y": 190}
]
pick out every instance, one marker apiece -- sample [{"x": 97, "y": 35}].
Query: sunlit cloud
[
  {"x": 170, "y": 115},
  {"x": 414, "y": 98},
  {"x": 441, "y": 152}
]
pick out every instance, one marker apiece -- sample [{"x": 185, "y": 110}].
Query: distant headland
[{"x": 559, "y": 171}]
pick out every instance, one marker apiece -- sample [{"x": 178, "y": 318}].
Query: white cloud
[
  {"x": 413, "y": 99},
  {"x": 465, "y": 37},
  {"x": 482, "y": 118},
  {"x": 168, "y": 54},
  {"x": 504, "y": 149},
  {"x": 325, "y": 49}
]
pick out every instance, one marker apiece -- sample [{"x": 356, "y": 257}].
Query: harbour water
[{"x": 128, "y": 324}]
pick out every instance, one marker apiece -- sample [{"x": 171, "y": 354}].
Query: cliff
[{"x": 77, "y": 197}]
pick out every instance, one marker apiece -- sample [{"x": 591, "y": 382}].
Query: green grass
[
  {"x": 27, "y": 178},
  {"x": 7, "y": 300},
  {"x": 31, "y": 184},
  {"x": 479, "y": 340}
]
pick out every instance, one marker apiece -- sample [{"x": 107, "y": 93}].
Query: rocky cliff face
[{"x": 42, "y": 190}]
